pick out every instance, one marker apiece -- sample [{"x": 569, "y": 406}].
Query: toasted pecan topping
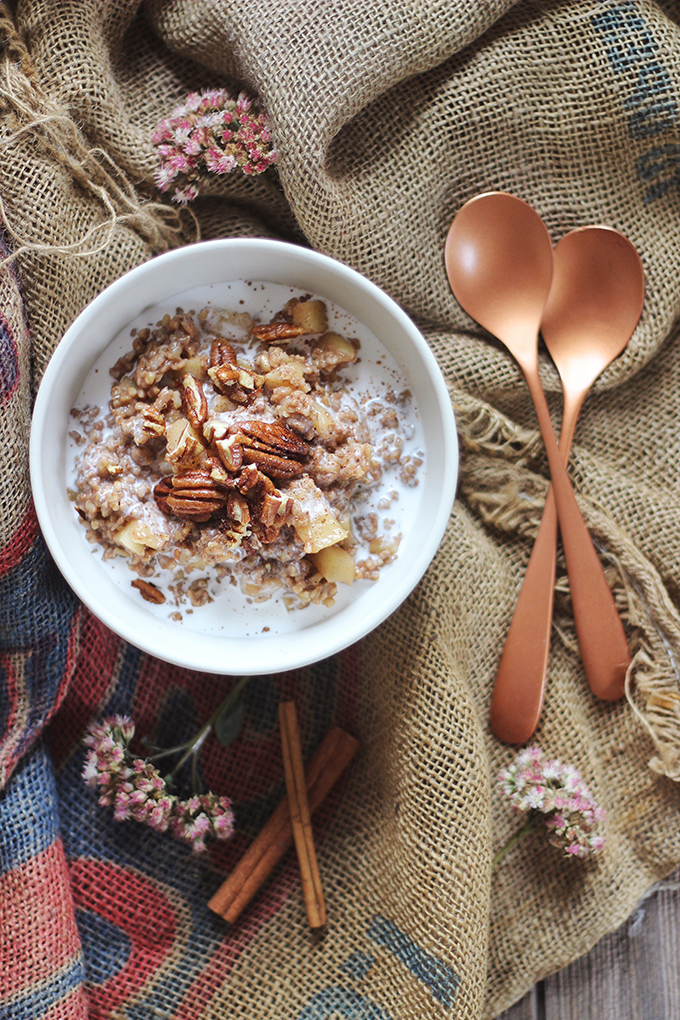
[
  {"x": 275, "y": 436},
  {"x": 221, "y": 353},
  {"x": 195, "y": 505},
  {"x": 194, "y": 403},
  {"x": 199, "y": 479},
  {"x": 230, "y": 452},
  {"x": 238, "y": 509},
  {"x": 276, "y": 332},
  {"x": 273, "y": 465},
  {"x": 273, "y": 448},
  {"x": 234, "y": 382},
  {"x": 160, "y": 493},
  {"x": 148, "y": 591},
  {"x": 193, "y": 496}
]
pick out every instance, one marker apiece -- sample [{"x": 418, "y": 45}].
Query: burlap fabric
[{"x": 386, "y": 117}]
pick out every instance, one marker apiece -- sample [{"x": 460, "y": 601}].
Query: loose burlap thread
[{"x": 386, "y": 118}]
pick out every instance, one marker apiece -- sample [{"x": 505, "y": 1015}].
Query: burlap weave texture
[{"x": 386, "y": 118}]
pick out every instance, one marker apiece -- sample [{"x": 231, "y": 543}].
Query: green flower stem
[
  {"x": 170, "y": 750},
  {"x": 193, "y": 746},
  {"x": 520, "y": 834}
]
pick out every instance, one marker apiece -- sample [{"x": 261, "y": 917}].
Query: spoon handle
[
  {"x": 517, "y": 696},
  {"x": 601, "y": 637},
  {"x": 518, "y": 690}
]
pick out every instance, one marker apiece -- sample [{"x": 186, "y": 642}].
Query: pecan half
[
  {"x": 228, "y": 377},
  {"x": 195, "y": 506},
  {"x": 275, "y": 436},
  {"x": 160, "y": 493},
  {"x": 271, "y": 464},
  {"x": 194, "y": 404},
  {"x": 221, "y": 353},
  {"x": 276, "y": 450},
  {"x": 149, "y": 591},
  {"x": 192, "y": 496},
  {"x": 276, "y": 332}
]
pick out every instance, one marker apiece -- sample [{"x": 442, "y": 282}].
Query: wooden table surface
[{"x": 632, "y": 974}]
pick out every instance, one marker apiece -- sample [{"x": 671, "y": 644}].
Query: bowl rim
[{"x": 280, "y": 658}]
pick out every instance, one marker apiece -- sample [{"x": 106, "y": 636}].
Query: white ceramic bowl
[{"x": 162, "y": 279}]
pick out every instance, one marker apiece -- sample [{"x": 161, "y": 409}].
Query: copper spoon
[
  {"x": 499, "y": 264},
  {"x": 595, "y": 302}
]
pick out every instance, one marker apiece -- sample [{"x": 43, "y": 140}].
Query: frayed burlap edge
[
  {"x": 29, "y": 112},
  {"x": 653, "y": 693}
]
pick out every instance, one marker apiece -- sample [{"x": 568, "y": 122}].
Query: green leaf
[{"x": 228, "y": 723}]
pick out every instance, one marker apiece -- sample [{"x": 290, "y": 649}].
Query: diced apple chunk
[
  {"x": 335, "y": 564},
  {"x": 322, "y": 419},
  {"x": 221, "y": 322},
  {"x": 292, "y": 375},
  {"x": 343, "y": 350},
  {"x": 312, "y": 517},
  {"x": 125, "y": 539},
  {"x": 311, "y": 315},
  {"x": 137, "y": 536},
  {"x": 195, "y": 367}
]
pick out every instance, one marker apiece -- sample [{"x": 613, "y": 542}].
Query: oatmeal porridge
[{"x": 259, "y": 447}]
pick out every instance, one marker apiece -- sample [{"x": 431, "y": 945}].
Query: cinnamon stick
[
  {"x": 322, "y": 772},
  {"x": 298, "y": 805}
]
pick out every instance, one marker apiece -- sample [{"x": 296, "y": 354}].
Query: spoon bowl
[
  {"x": 499, "y": 254},
  {"x": 594, "y": 305}
]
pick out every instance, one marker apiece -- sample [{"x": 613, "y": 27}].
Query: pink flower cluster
[
  {"x": 211, "y": 133},
  {"x": 201, "y": 817},
  {"x": 136, "y": 789},
  {"x": 544, "y": 785}
]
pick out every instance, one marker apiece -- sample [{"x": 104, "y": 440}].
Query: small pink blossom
[
  {"x": 164, "y": 176},
  {"x": 185, "y": 195},
  {"x": 220, "y": 162},
  {"x": 179, "y": 163},
  {"x": 192, "y": 102},
  {"x": 137, "y": 791},
  {"x": 162, "y": 133},
  {"x": 211, "y": 97},
  {"x": 181, "y": 135},
  {"x": 544, "y": 786},
  {"x": 211, "y": 133},
  {"x": 202, "y": 817}
]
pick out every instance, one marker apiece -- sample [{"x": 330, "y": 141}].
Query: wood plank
[{"x": 631, "y": 974}]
